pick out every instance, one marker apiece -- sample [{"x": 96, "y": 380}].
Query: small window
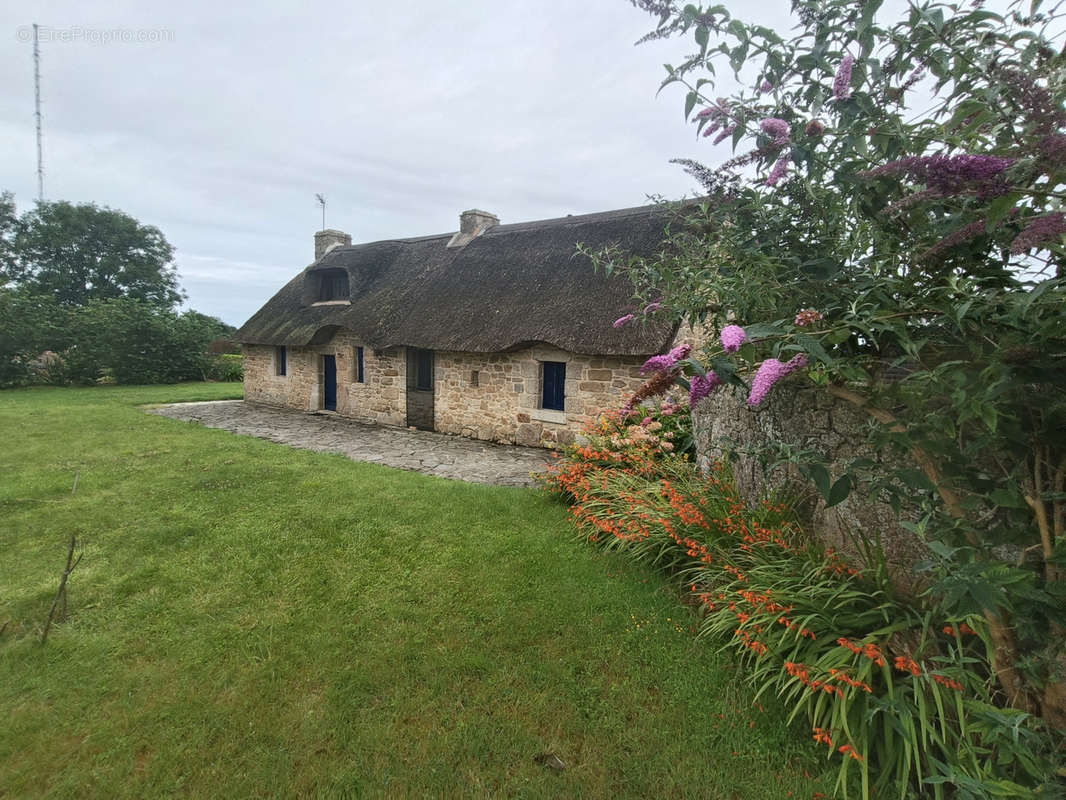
[
  {"x": 280, "y": 361},
  {"x": 359, "y": 365},
  {"x": 474, "y": 377},
  {"x": 332, "y": 285},
  {"x": 554, "y": 383},
  {"x": 424, "y": 374}
]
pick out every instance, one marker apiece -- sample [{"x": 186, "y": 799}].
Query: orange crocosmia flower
[
  {"x": 848, "y": 750},
  {"x": 904, "y": 664}
]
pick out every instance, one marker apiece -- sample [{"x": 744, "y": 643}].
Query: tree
[
  {"x": 82, "y": 252},
  {"x": 8, "y": 226}
]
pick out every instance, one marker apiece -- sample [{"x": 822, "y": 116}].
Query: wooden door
[
  {"x": 329, "y": 383},
  {"x": 420, "y": 384}
]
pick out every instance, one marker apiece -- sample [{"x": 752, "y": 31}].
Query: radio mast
[{"x": 37, "y": 114}]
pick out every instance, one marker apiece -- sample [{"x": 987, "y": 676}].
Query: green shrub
[
  {"x": 226, "y": 367},
  {"x": 117, "y": 341}
]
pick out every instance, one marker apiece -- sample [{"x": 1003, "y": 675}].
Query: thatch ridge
[{"x": 512, "y": 286}]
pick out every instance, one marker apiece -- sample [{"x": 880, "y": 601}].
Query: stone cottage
[{"x": 496, "y": 332}]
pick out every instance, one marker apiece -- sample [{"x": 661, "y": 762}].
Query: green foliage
[
  {"x": 87, "y": 294},
  {"x": 913, "y": 200},
  {"x": 29, "y": 325},
  {"x": 120, "y": 341},
  {"x": 226, "y": 367},
  {"x": 78, "y": 253},
  {"x": 899, "y": 694}
]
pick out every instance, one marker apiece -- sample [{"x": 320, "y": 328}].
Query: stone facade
[
  {"x": 502, "y": 402},
  {"x": 379, "y": 398},
  {"x": 487, "y": 396},
  {"x": 807, "y": 417}
]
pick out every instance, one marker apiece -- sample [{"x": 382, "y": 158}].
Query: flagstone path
[{"x": 421, "y": 451}]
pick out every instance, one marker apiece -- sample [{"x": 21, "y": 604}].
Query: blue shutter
[
  {"x": 554, "y": 395},
  {"x": 281, "y": 360},
  {"x": 359, "y": 356}
]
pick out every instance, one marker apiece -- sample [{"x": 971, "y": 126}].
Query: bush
[
  {"x": 29, "y": 325},
  {"x": 889, "y": 222},
  {"x": 226, "y": 367},
  {"x": 120, "y": 341},
  {"x": 899, "y": 694}
]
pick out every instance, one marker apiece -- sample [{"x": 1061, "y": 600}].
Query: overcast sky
[{"x": 221, "y": 131}]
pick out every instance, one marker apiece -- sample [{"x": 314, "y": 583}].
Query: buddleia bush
[{"x": 883, "y": 217}]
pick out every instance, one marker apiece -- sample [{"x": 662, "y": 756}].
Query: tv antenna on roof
[{"x": 322, "y": 202}]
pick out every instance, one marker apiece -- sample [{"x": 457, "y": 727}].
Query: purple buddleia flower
[
  {"x": 1037, "y": 103},
  {"x": 679, "y": 353},
  {"x": 967, "y": 233},
  {"x": 733, "y": 336},
  {"x": 701, "y": 386},
  {"x": 1052, "y": 151},
  {"x": 769, "y": 373},
  {"x": 724, "y": 134},
  {"x": 712, "y": 129},
  {"x": 777, "y": 128},
  {"x": 656, "y": 364},
  {"x": 710, "y": 111},
  {"x": 779, "y": 170},
  {"x": 765, "y": 87},
  {"x": 842, "y": 81},
  {"x": 949, "y": 175},
  {"x": 814, "y": 128},
  {"x": 625, "y": 320},
  {"x": 1039, "y": 231},
  {"x": 665, "y": 363},
  {"x": 651, "y": 308}
]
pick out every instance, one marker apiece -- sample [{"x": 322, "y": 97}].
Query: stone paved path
[{"x": 421, "y": 451}]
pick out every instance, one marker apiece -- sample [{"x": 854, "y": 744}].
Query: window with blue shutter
[
  {"x": 554, "y": 382},
  {"x": 280, "y": 364},
  {"x": 359, "y": 364}
]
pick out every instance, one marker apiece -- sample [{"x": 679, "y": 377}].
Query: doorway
[
  {"x": 329, "y": 383},
  {"x": 420, "y": 388}
]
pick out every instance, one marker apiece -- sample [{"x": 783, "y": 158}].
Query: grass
[{"x": 250, "y": 620}]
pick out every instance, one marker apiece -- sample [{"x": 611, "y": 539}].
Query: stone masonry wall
[
  {"x": 807, "y": 417},
  {"x": 504, "y": 405},
  {"x": 380, "y": 398},
  {"x": 501, "y": 405}
]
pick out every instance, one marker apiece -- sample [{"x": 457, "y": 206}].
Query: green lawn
[{"x": 251, "y": 621}]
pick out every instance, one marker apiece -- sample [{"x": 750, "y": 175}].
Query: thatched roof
[{"x": 511, "y": 286}]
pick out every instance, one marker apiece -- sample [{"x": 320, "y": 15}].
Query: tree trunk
[{"x": 1004, "y": 643}]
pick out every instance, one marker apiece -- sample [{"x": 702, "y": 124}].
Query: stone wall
[
  {"x": 806, "y": 417},
  {"x": 502, "y": 404},
  {"x": 379, "y": 399}
]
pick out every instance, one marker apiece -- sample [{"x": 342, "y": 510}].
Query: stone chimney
[
  {"x": 472, "y": 224},
  {"x": 328, "y": 239}
]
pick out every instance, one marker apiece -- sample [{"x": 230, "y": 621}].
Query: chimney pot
[
  {"x": 472, "y": 224},
  {"x": 328, "y": 239}
]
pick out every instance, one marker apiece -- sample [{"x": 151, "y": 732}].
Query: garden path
[{"x": 421, "y": 451}]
